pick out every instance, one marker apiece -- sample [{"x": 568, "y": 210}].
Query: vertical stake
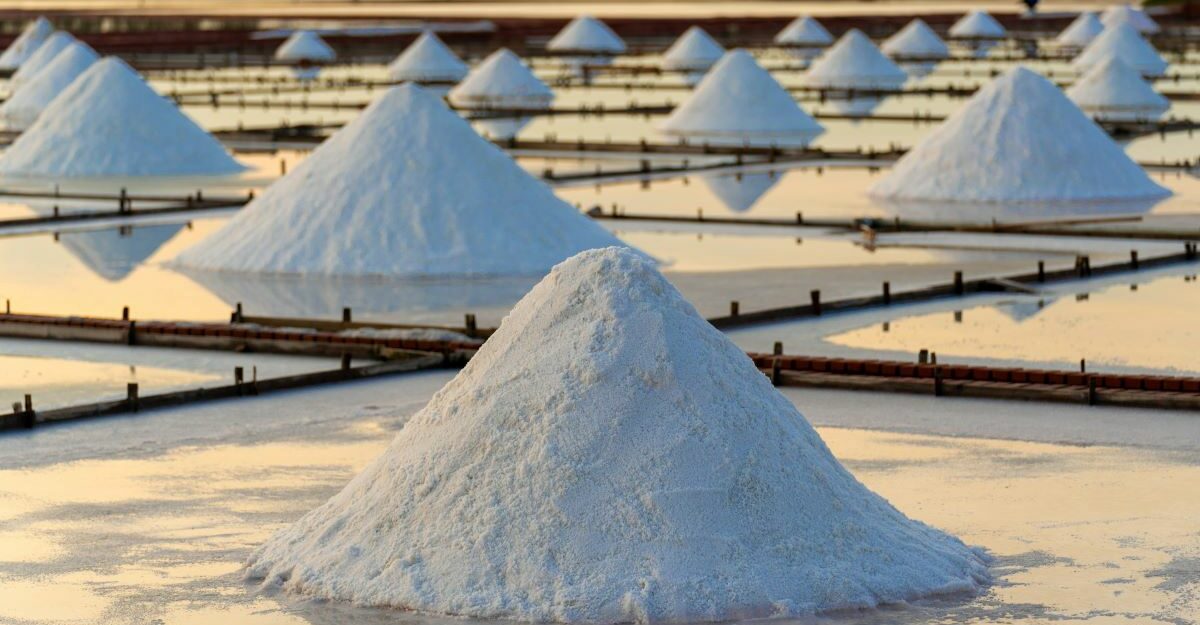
[
  {"x": 887, "y": 293},
  {"x": 346, "y": 314},
  {"x": 1082, "y": 365},
  {"x": 815, "y": 296},
  {"x": 958, "y": 283},
  {"x": 733, "y": 308},
  {"x": 1133, "y": 259},
  {"x": 345, "y": 362},
  {"x": 238, "y": 375},
  {"x": 469, "y": 325},
  {"x": 131, "y": 395},
  {"x": 776, "y": 371},
  {"x": 125, "y": 314},
  {"x": 923, "y": 357},
  {"x": 778, "y": 351},
  {"x": 1041, "y": 271}
]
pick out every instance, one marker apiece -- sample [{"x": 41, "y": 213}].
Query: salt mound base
[
  {"x": 23, "y": 108},
  {"x": 43, "y": 56},
  {"x": 978, "y": 24},
  {"x": 916, "y": 41},
  {"x": 109, "y": 122},
  {"x": 804, "y": 31},
  {"x": 1115, "y": 91},
  {"x": 1019, "y": 139},
  {"x": 586, "y": 34},
  {"x": 1133, "y": 15},
  {"x": 25, "y": 44},
  {"x": 406, "y": 189},
  {"x": 608, "y": 456},
  {"x": 1081, "y": 31},
  {"x": 427, "y": 60},
  {"x": 304, "y": 45},
  {"x": 694, "y": 50},
  {"x": 1122, "y": 41}
]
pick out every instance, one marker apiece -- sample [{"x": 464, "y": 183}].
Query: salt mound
[
  {"x": 501, "y": 80},
  {"x": 586, "y": 34},
  {"x": 25, "y": 44},
  {"x": 804, "y": 31},
  {"x": 1082, "y": 30},
  {"x": 916, "y": 41},
  {"x": 109, "y": 122},
  {"x": 740, "y": 101},
  {"x": 694, "y": 50},
  {"x": 44, "y": 55},
  {"x": 608, "y": 456},
  {"x": 855, "y": 63},
  {"x": 978, "y": 24},
  {"x": 1019, "y": 139},
  {"x": 1122, "y": 41},
  {"x": 406, "y": 189},
  {"x": 304, "y": 45},
  {"x": 1115, "y": 91},
  {"x": 23, "y": 108},
  {"x": 427, "y": 60},
  {"x": 1133, "y": 15}
]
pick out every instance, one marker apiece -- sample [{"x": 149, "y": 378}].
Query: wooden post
[
  {"x": 1133, "y": 259},
  {"x": 937, "y": 382},
  {"x": 799, "y": 218},
  {"x": 733, "y": 308},
  {"x": 958, "y": 316},
  {"x": 776, "y": 372},
  {"x": 815, "y": 296},
  {"x": 778, "y": 348},
  {"x": 8, "y": 307},
  {"x": 1041, "y": 271},
  {"x": 958, "y": 283},
  {"x": 30, "y": 416},
  {"x": 131, "y": 395},
  {"x": 1082, "y": 365},
  {"x": 237, "y": 313},
  {"x": 887, "y": 294},
  {"x": 122, "y": 201},
  {"x": 345, "y": 362},
  {"x": 1091, "y": 390},
  {"x": 238, "y": 375},
  {"x": 125, "y": 314},
  {"x": 346, "y": 314},
  {"x": 470, "y": 326},
  {"x": 923, "y": 357}
]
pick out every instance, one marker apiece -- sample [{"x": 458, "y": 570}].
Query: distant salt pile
[
  {"x": 1122, "y": 41},
  {"x": 1134, "y": 16},
  {"x": 586, "y": 40},
  {"x": 502, "y": 81},
  {"x": 427, "y": 60},
  {"x": 406, "y": 189},
  {"x": 1019, "y": 139},
  {"x": 305, "y": 46},
  {"x": 980, "y": 30},
  {"x": 1114, "y": 91},
  {"x": 916, "y": 48},
  {"x": 1081, "y": 32},
  {"x": 694, "y": 52},
  {"x": 109, "y": 122},
  {"x": 25, "y": 44},
  {"x": 738, "y": 102},
  {"x": 739, "y": 192},
  {"x": 43, "y": 56},
  {"x": 23, "y": 108},
  {"x": 805, "y": 37},
  {"x": 610, "y": 457},
  {"x": 854, "y": 63}
]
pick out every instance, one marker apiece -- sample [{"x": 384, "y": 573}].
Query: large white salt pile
[
  {"x": 109, "y": 122},
  {"x": 854, "y": 63},
  {"x": 693, "y": 51},
  {"x": 1081, "y": 31},
  {"x": 1019, "y": 139},
  {"x": 1122, "y": 41},
  {"x": 586, "y": 34},
  {"x": 304, "y": 46},
  {"x": 739, "y": 102},
  {"x": 25, "y": 44},
  {"x": 427, "y": 60},
  {"x": 23, "y": 108},
  {"x": 406, "y": 189},
  {"x": 978, "y": 24},
  {"x": 804, "y": 31},
  {"x": 1133, "y": 15},
  {"x": 43, "y": 56},
  {"x": 1114, "y": 91},
  {"x": 502, "y": 81},
  {"x": 610, "y": 457},
  {"x": 916, "y": 41}
]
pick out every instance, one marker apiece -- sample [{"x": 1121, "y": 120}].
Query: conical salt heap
[
  {"x": 694, "y": 50},
  {"x": 916, "y": 41},
  {"x": 1019, "y": 139},
  {"x": 304, "y": 46},
  {"x": 406, "y": 189},
  {"x": 608, "y": 456},
  {"x": 501, "y": 80},
  {"x": 109, "y": 122},
  {"x": 1081, "y": 31},
  {"x": 1133, "y": 15},
  {"x": 740, "y": 102},
  {"x": 978, "y": 25},
  {"x": 1115, "y": 91},
  {"x": 25, "y": 44},
  {"x": 1121, "y": 41},
  {"x": 855, "y": 63},
  {"x": 804, "y": 31},
  {"x": 43, "y": 56},
  {"x": 588, "y": 35},
  {"x": 23, "y": 108},
  {"x": 427, "y": 60}
]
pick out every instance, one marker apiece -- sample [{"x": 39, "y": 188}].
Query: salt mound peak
[
  {"x": 854, "y": 63},
  {"x": 26, "y": 43},
  {"x": 978, "y": 24},
  {"x": 1122, "y": 41},
  {"x": 916, "y": 41},
  {"x": 304, "y": 45},
  {"x": 406, "y": 189},
  {"x": 1019, "y": 139},
  {"x": 740, "y": 99},
  {"x": 1081, "y": 31},
  {"x": 586, "y": 34},
  {"x": 501, "y": 79},
  {"x": 42, "y": 57},
  {"x": 109, "y": 122},
  {"x": 804, "y": 31},
  {"x": 427, "y": 60},
  {"x": 1113, "y": 90},
  {"x": 610, "y": 457},
  {"x": 693, "y": 50},
  {"x": 23, "y": 108},
  {"x": 1131, "y": 14}
]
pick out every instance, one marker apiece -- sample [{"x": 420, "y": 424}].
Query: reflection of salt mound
[
  {"x": 501, "y": 81},
  {"x": 1115, "y": 91},
  {"x": 1018, "y": 139},
  {"x": 854, "y": 63},
  {"x": 25, "y": 44},
  {"x": 586, "y": 34},
  {"x": 916, "y": 41},
  {"x": 1082, "y": 31},
  {"x": 43, "y": 56},
  {"x": 1022, "y": 310},
  {"x": 1123, "y": 42},
  {"x": 608, "y": 456},
  {"x": 427, "y": 60},
  {"x": 114, "y": 253},
  {"x": 406, "y": 189},
  {"x": 740, "y": 192},
  {"x": 693, "y": 51},
  {"x": 739, "y": 102},
  {"x": 109, "y": 122},
  {"x": 804, "y": 32},
  {"x": 304, "y": 46},
  {"x": 1134, "y": 16},
  {"x": 978, "y": 25},
  {"x": 32, "y": 98}
]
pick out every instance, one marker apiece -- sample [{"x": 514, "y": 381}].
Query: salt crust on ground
[
  {"x": 304, "y": 45},
  {"x": 586, "y": 34},
  {"x": 854, "y": 63},
  {"x": 33, "y": 97},
  {"x": 406, "y": 189},
  {"x": 916, "y": 40},
  {"x": 1114, "y": 90},
  {"x": 978, "y": 24},
  {"x": 1122, "y": 41},
  {"x": 804, "y": 31},
  {"x": 609, "y": 456},
  {"x": 26, "y": 43},
  {"x": 1018, "y": 139},
  {"x": 694, "y": 49},
  {"x": 427, "y": 58},
  {"x": 501, "y": 80},
  {"x": 1081, "y": 31},
  {"x": 109, "y": 122},
  {"x": 41, "y": 57}
]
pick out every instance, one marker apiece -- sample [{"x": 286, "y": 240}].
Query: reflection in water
[
  {"x": 918, "y": 69},
  {"x": 112, "y": 254},
  {"x": 1023, "y": 310},
  {"x": 501, "y": 128},
  {"x": 984, "y": 211},
  {"x": 740, "y": 191},
  {"x": 857, "y": 106}
]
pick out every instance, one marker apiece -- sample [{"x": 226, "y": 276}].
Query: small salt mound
[
  {"x": 610, "y": 457},
  {"x": 855, "y": 63},
  {"x": 804, "y": 31},
  {"x": 1122, "y": 41},
  {"x": 741, "y": 101},
  {"x": 741, "y": 191},
  {"x": 23, "y": 108},
  {"x": 427, "y": 60},
  {"x": 916, "y": 41},
  {"x": 44, "y": 56},
  {"x": 305, "y": 46},
  {"x": 109, "y": 122},
  {"x": 1115, "y": 91},
  {"x": 694, "y": 50},
  {"x": 978, "y": 24},
  {"x": 1019, "y": 139},
  {"x": 501, "y": 80},
  {"x": 586, "y": 34},
  {"x": 1082, "y": 30},
  {"x": 25, "y": 44},
  {"x": 406, "y": 189},
  {"x": 1133, "y": 15}
]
